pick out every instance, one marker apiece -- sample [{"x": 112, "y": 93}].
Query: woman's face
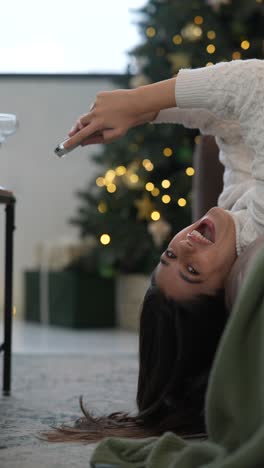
[{"x": 199, "y": 258}]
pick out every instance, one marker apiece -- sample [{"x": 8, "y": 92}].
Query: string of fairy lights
[
  {"x": 192, "y": 31},
  {"x": 128, "y": 176}
]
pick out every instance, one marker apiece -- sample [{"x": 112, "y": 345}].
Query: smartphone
[{"x": 61, "y": 151}]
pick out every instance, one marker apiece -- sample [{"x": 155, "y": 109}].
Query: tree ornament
[
  {"x": 192, "y": 32},
  {"x": 216, "y": 4},
  {"x": 159, "y": 231},
  {"x": 145, "y": 207}
]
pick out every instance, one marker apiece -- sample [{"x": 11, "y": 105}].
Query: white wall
[{"x": 43, "y": 184}]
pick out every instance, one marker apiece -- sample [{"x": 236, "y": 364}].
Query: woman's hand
[
  {"x": 110, "y": 117},
  {"x": 115, "y": 112}
]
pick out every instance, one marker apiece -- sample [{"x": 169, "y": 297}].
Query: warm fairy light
[
  {"x": 198, "y": 20},
  {"x": 211, "y": 35},
  {"x": 165, "y": 183},
  {"x": 182, "y": 202},
  {"x": 210, "y": 49},
  {"x": 120, "y": 170},
  {"x": 167, "y": 152},
  {"x": 155, "y": 192},
  {"x": 209, "y": 64},
  {"x": 236, "y": 55},
  {"x": 177, "y": 39},
  {"x": 150, "y": 31},
  {"x": 197, "y": 139},
  {"x": 102, "y": 207},
  {"x": 190, "y": 171},
  {"x": 148, "y": 165},
  {"x": 259, "y": 1},
  {"x": 100, "y": 182},
  {"x": 133, "y": 178},
  {"x": 105, "y": 239},
  {"x": 109, "y": 176},
  {"x": 111, "y": 188},
  {"x": 149, "y": 186},
  {"x": 155, "y": 215},
  {"x": 145, "y": 162},
  {"x": 245, "y": 45},
  {"x": 166, "y": 199}
]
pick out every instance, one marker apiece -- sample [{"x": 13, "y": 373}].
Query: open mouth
[{"x": 204, "y": 232}]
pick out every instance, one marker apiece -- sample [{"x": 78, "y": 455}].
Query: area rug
[{"x": 46, "y": 390}]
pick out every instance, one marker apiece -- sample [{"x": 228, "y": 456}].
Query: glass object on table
[{"x": 8, "y": 126}]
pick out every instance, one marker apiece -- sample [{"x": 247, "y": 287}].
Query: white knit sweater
[{"x": 227, "y": 100}]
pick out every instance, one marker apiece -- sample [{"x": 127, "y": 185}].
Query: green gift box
[{"x": 73, "y": 299}]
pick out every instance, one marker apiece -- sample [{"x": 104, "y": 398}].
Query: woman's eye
[
  {"x": 192, "y": 270},
  {"x": 170, "y": 254}
]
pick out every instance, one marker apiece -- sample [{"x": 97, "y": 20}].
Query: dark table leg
[{"x": 10, "y": 219}]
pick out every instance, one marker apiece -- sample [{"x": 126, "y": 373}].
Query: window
[{"x": 67, "y": 36}]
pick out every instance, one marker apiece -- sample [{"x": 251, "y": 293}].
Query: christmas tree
[{"x": 142, "y": 193}]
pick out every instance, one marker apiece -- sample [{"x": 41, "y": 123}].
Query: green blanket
[{"x": 234, "y": 403}]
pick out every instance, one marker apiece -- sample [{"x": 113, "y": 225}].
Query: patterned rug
[{"x": 46, "y": 390}]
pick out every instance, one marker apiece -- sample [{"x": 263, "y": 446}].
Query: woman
[
  {"x": 224, "y": 100},
  {"x": 183, "y": 313}
]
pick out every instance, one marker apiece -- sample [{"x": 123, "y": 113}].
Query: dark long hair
[{"x": 177, "y": 344}]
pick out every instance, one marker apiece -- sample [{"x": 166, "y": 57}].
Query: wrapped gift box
[{"x": 69, "y": 298}]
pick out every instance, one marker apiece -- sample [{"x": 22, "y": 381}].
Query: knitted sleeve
[{"x": 203, "y": 119}]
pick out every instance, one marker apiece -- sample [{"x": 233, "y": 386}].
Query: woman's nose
[{"x": 185, "y": 247}]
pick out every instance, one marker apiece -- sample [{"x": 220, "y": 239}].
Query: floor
[
  {"x": 28, "y": 338},
  {"x": 51, "y": 368}
]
